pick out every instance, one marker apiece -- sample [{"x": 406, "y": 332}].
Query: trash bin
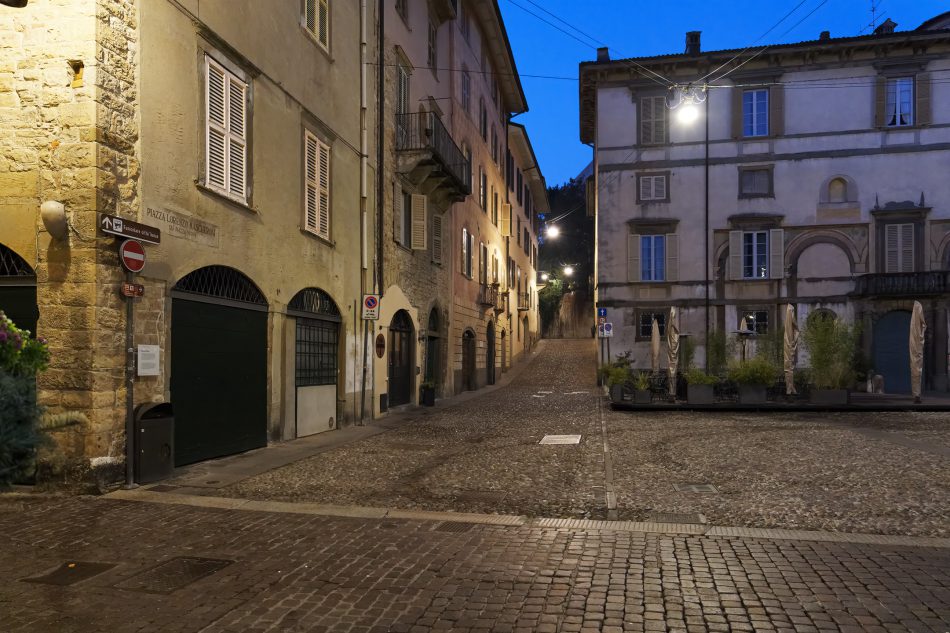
[{"x": 154, "y": 442}]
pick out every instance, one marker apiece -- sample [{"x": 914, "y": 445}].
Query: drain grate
[
  {"x": 454, "y": 526},
  {"x": 695, "y": 488},
  {"x": 483, "y": 496},
  {"x": 70, "y": 573},
  {"x": 173, "y": 574},
  {"x": 561, "y": 439},
  {"x": 675, "y": 517}
]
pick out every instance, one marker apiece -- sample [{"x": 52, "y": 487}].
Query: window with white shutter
[
  {"x": 225, "y": 132},
  {"x": 420, "y": 221},
  {"x": 652, "y": 188},
  {"x": 899, "y": 248},
  {"x": 653, "y": 120},
  {"x": 466, "y": 259},
  {"x": 482, "y": 263},
  {"x": 506, "y": 219},
  {"x": 317, "y": 20}
]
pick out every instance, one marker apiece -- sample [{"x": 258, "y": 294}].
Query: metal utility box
[{"x": 154, "y": 442}]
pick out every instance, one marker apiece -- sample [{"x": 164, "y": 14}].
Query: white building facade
[{"x": 815, "y": 174}]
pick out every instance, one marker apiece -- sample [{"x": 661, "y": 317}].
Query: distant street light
[
  {"x": 687, "y": 114},
  {"x": 568, "y": 271},
  {"x": 552, "y": 231},
  {"x": 545, "y": 277}
]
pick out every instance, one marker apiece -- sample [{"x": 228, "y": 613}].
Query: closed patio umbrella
[
  {"x": 791, "y": 346},
  {"x": 672, "y": 348},
  {"x": 655, "y": 347},
  {"x": 917, "y": 329}
]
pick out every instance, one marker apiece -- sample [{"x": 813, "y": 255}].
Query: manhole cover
[
  {"x": 454, "y": 526},
  {"x": 675, "y": 517},
  {"x": 70, "y": 573},
  {"x": 173, "y": 574},
  {"x": 163, "y": 488},
  {"x": 695, "y": 488},
  {"x": 561, "y": 439}
]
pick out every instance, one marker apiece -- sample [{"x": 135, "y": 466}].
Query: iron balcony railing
[
  {"x": 488, "y": 296},
  {"x": 424, "y": 131},
  {"x": 524, "y": 301},
  {"x": 904, "y": 284}
]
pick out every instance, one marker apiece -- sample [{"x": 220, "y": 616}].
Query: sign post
[
  {"x": 132, "y": 256},
  {"x": 114, "y": 225}
]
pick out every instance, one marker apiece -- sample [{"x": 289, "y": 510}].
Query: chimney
[
  {"x": 692, "y": 42},
  {"x": 886, "y": 28},
  {"x": 603, "y": 54},
  {"x": 825, "y": 35}
]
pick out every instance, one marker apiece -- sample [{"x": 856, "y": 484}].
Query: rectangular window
[
  {"x": 494, "y": 209},
  {"x": 483, "y": 119},
  {"x": 482, "y": 264},
  {"x": 653, "y": 258},
  {"x": 899, "y": 248},
  {"x": 402, "y": 106},
  {"x": 755, "y": 112},
  {"x": 899, "y": 104},
  {"x": 483, "y": 189},
  {"x": 433, "y": 57},
  {"x": 755, "y": 183},
  {"x": 494, "y": 144},
  {"x": 466, "y": 88},
  {"x": 526, "y": 242},
  {"x": 466, "y": 255},
  {"x": 225, "y": 132},
  {"x": 519, "y": 186},
  {"x": 645, "y": 327},
  {"x": 518, "y": 233},
  {"x": 402, "y": 8},
  {"x": 317, "y": 194},
  {"x": 317, "y": 352},
  {"x": 653, "y": 120},
  {"x": 755, "y": 255},
  {"x": 652, "y": 188},
  {"x": 317, "y": 20},
  {"x": 463, "y": 23},
  {"x": 755, "y": 320}
]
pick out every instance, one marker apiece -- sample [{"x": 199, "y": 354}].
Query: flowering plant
[{"x": 21, "y": 355}]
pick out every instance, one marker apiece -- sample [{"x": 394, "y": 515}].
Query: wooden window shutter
[
  {"x": 672, "y": 257},
  {"x": 312, "y": 186},
  {"x": 776, "y": 253},
  {"x": 436, "y": 238},
  {"x": 892, "y": 248},
  {"x": 646, "y": 121},
  {"x": 907, "y": 248},
  {"x": 922, "y": 89},
  {"x": 633, "y": 258},
  {"x": 880, "y": 102},
  {"x": 420, "y": 221},
  {"x": 398, "y": 213},
  {"x": 237, "y": 145},
  {"x": 506, "y": 220},
  {"x": 471, "y": 254},
  {"x": 735, "y": 255},
  {"x": 324, "y": 189},
  {"x": 216, "y": 132},
  {"x": 464, "y": 251},
  {"x": 324, "y": 33},
  {"x": 736, "y": 113},
  {"x": 777, "y": 111},
  {"x": 310, "y": 15},
  {"x": 646, "y": 189},
  {"x": 659, "y": 187},
  {"x": 660, "y": 113}
]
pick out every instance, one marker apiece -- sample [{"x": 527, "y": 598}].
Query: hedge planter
[
  {"x": 829, "y": 397},
  {"x": 700, "y": 394},
  {"x": 751, "y": 394},
  {"x": 616, "y": 393},
  {"x": 642, "y": 396}
]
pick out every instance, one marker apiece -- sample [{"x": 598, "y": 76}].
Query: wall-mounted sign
[
  {"x": 132, "y": 290},
  {"x": 147, "y": 364},
  {"x": 380, "y": 345},
  {"x": 132, "y": 256},
  {"x": 115, "y": 225},
  {"x": 370, "y": 307},
  {"x": 184, "y": 226}
]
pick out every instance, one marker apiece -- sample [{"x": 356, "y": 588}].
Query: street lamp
[
  {"x": 545, "y": 276},
  {"x": 568, "y": 271},
  {"x": 687, "y": 114},
  {"x": 552, "y": 231}
]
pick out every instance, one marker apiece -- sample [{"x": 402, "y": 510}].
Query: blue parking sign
[{"x": 601, "y": 312}]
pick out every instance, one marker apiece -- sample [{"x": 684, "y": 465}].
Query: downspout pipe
[{"x": 380, "y": 143}]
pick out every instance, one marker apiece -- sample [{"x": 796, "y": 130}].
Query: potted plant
[
  {"x": 616, "y": 377},
  {"x": 427, "y": 393},
  {"x": 753, "y": 376},
  {"x": 641, "y": 388},
  {"x": 700, "y": 387},
  {"x": 832, "y": 347}
]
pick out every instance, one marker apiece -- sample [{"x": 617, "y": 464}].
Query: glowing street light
[
  {"x": 687, "y": 113},
  {"x": 552, "y": 231},
  {"x": 568, "y": 271},
  {"x": 545, "y": 276}
]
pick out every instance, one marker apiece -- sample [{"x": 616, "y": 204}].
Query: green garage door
[{"x": 218, "y": 366}]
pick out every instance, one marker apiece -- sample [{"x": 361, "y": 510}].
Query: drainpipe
[
  {"x": 380, "y": 142},
  {"x": 364, "y": 195},
  {"x": 706, "y": 229}
]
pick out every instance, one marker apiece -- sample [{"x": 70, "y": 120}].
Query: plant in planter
[
  {"x": 641, "y": 388},
  {"x": 753, "y": 376},
  {"x": 832, "y": 346},
  {"x": 616, "y": 378},
  {"x": 700, "y": 387},
  {"x": 427, "y": 393}
]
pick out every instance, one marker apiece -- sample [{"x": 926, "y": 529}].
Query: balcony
[
  {"x": 490, "y": 297},
  {"x": 524, "y": 301},
  {"x": 427, "y": 155},
  {"x": 903, "y": 284}
]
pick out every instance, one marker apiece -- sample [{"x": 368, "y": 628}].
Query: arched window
[{"x": 838, "y": 190}]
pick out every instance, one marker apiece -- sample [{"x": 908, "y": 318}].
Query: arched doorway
[
  {"x": 18, "y": 290},
  {"x": 218, "y": 364},
  {"x": 468, "y": 361},
  {"x": 433, "y": 357},
  {"x": 504, "y": 352},
  {"x": 490, "y": 354},
  {"x": 401, "y": 355},
  {"x": 316, "y": 360},
  {"x": 892, "y": 350},
  {"x": 525, "y": 335}
]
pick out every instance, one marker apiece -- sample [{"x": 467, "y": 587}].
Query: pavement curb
[{"x": 144, "y": 495}]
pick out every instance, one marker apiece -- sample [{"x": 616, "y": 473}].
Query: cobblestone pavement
[
  {"x": 294, "y": 573},
  {"x": 813, "y": 471}
]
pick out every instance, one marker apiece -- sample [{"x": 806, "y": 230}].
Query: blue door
[{"x": 892, "y": 351}]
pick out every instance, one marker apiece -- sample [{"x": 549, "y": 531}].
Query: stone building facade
[
  {"x": 238, "y": 130},
  {"x": 827, "y": 189}
]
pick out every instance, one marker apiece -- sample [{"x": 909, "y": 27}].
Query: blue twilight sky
[{"x": 631, "y": 30}]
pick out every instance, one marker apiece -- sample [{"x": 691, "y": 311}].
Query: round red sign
[{"x": 132, "y": 256}]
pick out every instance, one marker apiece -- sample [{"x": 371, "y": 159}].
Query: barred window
[{"x": 316, "y": 352}]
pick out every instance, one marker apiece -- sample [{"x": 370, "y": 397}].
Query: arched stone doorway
[
  {"x": 468, "y": 361},
  {"x": 433, "y": 349},
  {"x": 401, "y": 355},
  {"x": 316, "y": 360},
  {"x": 218, "y": 364},
  {"x": 490, "y": 354},
  {"x": 18, "y": 290},
  {"x": 891, "y": 350}
]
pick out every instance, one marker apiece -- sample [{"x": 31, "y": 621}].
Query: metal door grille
[
  {"x": 317, "y": 355},
  {"x": 12, "y": 265},
  {"x": 221, "y": 282},
  {"x": 316, "y": 302}
]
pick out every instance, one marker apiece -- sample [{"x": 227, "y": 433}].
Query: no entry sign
[{"x": 132, "y": 256}]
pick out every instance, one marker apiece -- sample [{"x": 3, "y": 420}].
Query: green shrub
[
  {"x": 687, "y": 353},
  {"x": 641, "y": 381},
  {"x": 698, "y": 377},
  {"x": 718, "y": 351},
  {"x": 615, "y": 375},
  {"x": 755, "y": 371},
  {"x": 832, "y": 347}
]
